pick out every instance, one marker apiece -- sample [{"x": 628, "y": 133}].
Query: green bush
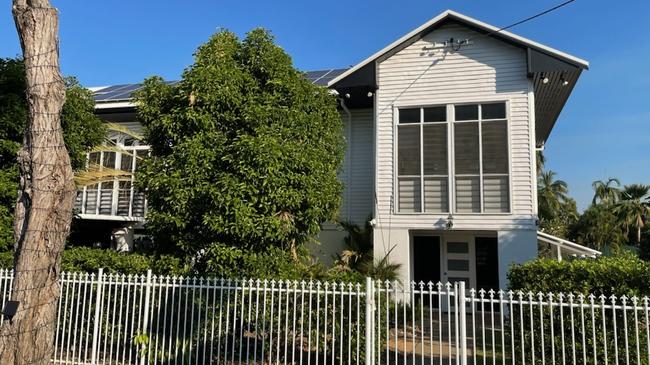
[
  {"x": 577, "y": 278},
  {"x": 224, "y": 261},
  {"x": 86, "y": 259},
  {"x": 218, "y": 261},
  {"x": 245, "y": 150},
  {"x": 619, "y": 275}
]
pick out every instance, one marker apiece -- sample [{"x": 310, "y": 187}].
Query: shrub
[
  {"x": 576, "y": 279},
  {"x": 358, "y": 257},
  {"x": 220, "y": 260},
  {"x": 86, "y": 259},
  {"x": 224, "y": 261},
  {"x": 619, "y": 275}
]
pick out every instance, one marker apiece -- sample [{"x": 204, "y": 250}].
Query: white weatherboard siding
[
  {"x": 357, "y": 176},
  {"x": 486, "y": 70}
]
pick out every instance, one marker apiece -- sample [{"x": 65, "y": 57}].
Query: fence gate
[{"x": 417, "y": 324}]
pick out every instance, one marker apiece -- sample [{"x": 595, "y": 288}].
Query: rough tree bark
[{"x": 46, "y": 195}]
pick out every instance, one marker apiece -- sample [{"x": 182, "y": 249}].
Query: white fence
[{"x": 118, "y": 319}]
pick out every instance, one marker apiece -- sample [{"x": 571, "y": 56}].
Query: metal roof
[{"x": 124, "y": 92}]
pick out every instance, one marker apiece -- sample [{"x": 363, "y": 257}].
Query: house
[{"x": 442, "y": 128}]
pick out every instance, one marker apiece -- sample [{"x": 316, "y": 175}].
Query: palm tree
[
  {"x": 551, "y": 194},
  {"x": 540, "y": 160},
  {"x": 633, "y": 208},
  {"x": 606, "y": 192}
]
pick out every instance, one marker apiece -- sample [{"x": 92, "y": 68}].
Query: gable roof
[
  {"x": 473, "y": 23},
  {"x": 553, "y": 73}
]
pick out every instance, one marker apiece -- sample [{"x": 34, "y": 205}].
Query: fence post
[
  {"x": 462, "y": 323},
  {"x": 145, "y": 320},
  {"x": 370, "y": 328},
  {"x": 98, "y": 316}
]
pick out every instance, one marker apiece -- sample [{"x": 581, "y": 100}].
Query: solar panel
[
  {"x": 124, "y": 92},
  {"x": 111, "y": 88},
  {"x": 118, "y": 92},
  {"x": 329, "y": 76},
  {"x": 315, "y": 75}
]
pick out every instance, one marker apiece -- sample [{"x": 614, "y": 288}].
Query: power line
[{"x": 530, "y": 17}]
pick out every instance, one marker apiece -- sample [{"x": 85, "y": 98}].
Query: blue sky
[{"x": 603, "y": 131}]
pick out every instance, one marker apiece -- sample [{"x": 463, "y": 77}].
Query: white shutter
[
  {"x": 468, "y": 194},
  {"x": 106, "y": 198},
  {"x": 91, "y": 199},
  {"x": 123, "y": 198},
  {"x": 495, "y": 194},
  {"x": 436, "y": 195},
  {"x": 409, "y": 194},
  {"x": 138, "y": 204}
]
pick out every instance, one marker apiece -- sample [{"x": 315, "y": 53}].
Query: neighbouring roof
[{"x": 124, "y": 92}]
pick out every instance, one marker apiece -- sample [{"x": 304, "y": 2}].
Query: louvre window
[
  {"x": 422, "y": 167},
  {"x": 479, "y": 147},
  {"x": 481, "y": 158}
]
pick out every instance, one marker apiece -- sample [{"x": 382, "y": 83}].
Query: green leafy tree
[
  {"x": 633, "y": 208},
  {"x": 551, "y": 195},
  {"x": 560, "y": 223},
  {"x": 244, "y": 150},
  {"x": 599, "y": 227},
  {"x": 82, "y": 130}
]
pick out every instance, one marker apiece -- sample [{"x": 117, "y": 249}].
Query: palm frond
[
  {"x": 122, "y": 129},
  {"x": 95, "y": 173}
]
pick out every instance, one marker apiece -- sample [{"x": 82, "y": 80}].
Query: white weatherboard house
[{"x": 442, "y": 128}]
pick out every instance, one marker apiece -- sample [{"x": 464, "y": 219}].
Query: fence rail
[{"x": 148, "y": 319}]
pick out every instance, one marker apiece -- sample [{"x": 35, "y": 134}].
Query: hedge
[
  {"x": 624, "y": 274},
  {"x": 87, "y": 259},
  {"x": 218, "y": 261},
  {"x": 619, "y": 275}
]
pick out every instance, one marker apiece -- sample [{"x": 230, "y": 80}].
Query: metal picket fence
[{"x": 148, "y": 319}]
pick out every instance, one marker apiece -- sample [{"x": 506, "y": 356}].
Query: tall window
[
  {"x": 422, "y": 168},
  {"x": 479, "y": 171},
  {"x": 481, "y": 158}
]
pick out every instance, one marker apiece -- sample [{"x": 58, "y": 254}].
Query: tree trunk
[{"x": 46, "y": 194}]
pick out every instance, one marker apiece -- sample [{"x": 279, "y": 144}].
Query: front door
[
  {"x": 426, "y": 259},
  {"x": 459, "y": 259}
]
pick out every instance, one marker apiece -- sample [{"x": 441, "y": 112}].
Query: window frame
[
  {"x": 451, "y": 170},
  {"x": 421, "y": 124}
]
